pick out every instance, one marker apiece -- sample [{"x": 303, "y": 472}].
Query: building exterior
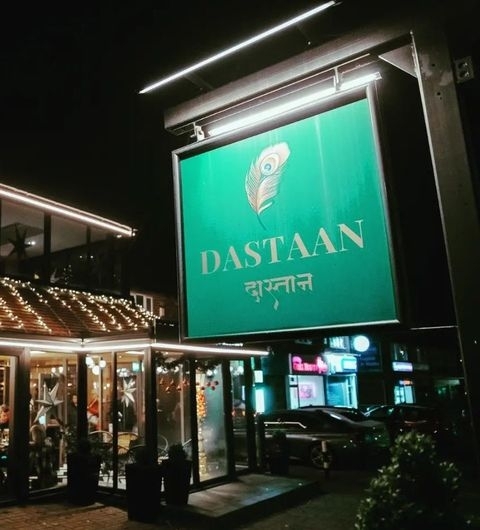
[{"x": 80, "y": 358}]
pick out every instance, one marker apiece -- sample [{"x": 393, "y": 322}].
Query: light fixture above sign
[
  {"x": 305, "y": 98},
  {"x": 237, "y": 47}
]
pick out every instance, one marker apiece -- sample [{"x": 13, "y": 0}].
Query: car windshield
[
  {"x": 350, "y": 414},
  {"x": 354, "y": 415}
]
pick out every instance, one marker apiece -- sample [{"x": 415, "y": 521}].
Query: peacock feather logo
[{"x": 263, "y": 178}]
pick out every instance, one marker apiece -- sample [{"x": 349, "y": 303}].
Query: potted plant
[
  {"x": 278, "y": 454},
  {"x": 83, "y": 470},
  {"x": 176, "y": 472},
  {"x": 416, "y": 490},
  {"x": 144, "y": 482}
]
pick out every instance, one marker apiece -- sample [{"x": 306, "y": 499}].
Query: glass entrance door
[
  {"x": 212, "y": 450},
  {"x": 7, "y": 389}
]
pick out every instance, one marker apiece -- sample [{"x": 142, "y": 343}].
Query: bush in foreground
[{"x": 415, "y": 491}]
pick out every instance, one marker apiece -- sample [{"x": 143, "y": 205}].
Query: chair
[
  {"x": 125, "y": 441},
  {"x": 102, "y": 444}
]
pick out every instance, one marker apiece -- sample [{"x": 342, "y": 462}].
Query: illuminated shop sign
[
  {"x": 286, "y": 229},
  {"x": 339, "y": 364},
  {"x": 308, "y": 364},
  {"x": 402, "y": 366}
]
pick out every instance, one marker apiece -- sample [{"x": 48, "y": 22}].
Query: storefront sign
[
  {"x": 311, "y": 364},
  {"x": 339, "y": 364},
  {"x": 402, "y": 366},
  {"x": 286, "y": 229}
]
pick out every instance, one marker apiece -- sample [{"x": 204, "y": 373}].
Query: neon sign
[{"x": 319, "y": 366}]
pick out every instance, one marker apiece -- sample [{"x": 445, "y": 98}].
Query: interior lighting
[
  {"x": 239, "y": 46},
  {"x": 63, "y": 210},
  {"x": 294, "y": 104}
]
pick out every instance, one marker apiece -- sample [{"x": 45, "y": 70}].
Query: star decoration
[
  {"x": 49, "y": 402},
  {"x": 19, "y": 244},
  {"x": 127, "y": 392}
]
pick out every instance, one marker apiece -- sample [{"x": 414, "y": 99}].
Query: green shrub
[{"x": 415, "y": 491}]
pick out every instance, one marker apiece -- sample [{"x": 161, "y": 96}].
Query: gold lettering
[
  {"x": 325, "y": 240},
  {"x": 216, "y": 261},
  {"x": 357, "y": 239},
  {"x": 232, "y": 257},
  {"x": 257, "y": 258},
  {"x": 272, "y": 244},
  {"x": 298, "y": 246}
]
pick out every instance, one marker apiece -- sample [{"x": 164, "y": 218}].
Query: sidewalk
[{"x": 330, "y": 504}]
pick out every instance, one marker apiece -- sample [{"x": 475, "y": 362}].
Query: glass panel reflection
[
  {"x": 212, "y": 456},
  {"x": 52, "y": 387},
  {"x": 6, "y": 399}
]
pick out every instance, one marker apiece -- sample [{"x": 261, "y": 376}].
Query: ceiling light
[{"x": 237, "y": 47}]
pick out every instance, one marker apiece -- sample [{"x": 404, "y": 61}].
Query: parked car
[
  {"x": 346, "y": 442},
  {"x": 404, "y": 417},
  {"x": 351, "y": 413}
]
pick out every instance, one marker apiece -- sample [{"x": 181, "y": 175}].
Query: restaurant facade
[{"x": 79, "y": 359}]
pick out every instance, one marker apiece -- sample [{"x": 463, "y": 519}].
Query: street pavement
[{"x": 332, "y": 507}]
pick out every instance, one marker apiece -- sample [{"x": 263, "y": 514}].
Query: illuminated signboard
[
  {"x": 308, "y": 364},
  {"x": 338, "y": 364},
  {"x": 286, "y": 229},
  {"x": 402, "y": 366}
]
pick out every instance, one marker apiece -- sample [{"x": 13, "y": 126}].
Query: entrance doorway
[{"x": 7, "y": 389}]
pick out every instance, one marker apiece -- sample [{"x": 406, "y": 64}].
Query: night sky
[
  {"x": 73, "y": 127},
  {"x": 72, "y": 124}
]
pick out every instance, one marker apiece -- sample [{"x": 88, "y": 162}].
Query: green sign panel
[{"x": 287, "y": 230}]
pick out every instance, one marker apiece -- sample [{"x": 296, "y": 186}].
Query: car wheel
[{"x": 320, "y": 459}]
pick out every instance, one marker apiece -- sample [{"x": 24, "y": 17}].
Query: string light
[{"x": 106, "y": 314}]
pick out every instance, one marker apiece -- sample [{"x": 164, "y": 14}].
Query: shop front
[
  {"x": 119, "y": 391},
  {"x": 325, "y": 378}
]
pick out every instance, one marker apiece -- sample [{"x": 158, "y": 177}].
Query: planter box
[
  {"x": 144, "y": 482},
  {"x": 83, "y": 472},
  {"x": 176, "y": 480}
]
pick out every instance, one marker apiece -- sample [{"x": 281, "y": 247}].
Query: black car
[
  {"x": 323, "y": 435},
  {"x": 351, "y": 413},
  {"x": 405, "y": 417}
]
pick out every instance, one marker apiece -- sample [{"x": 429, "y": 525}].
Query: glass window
[
  {"x": 21, "y": 241},
  {"x": 6, "y": 425},
  {"x": 239, "y": 412},
  {"x": 52, "y": 391},
  {"x": 145, "y": 302},
  {"x": 129, "y": 408},
  {"x": 212, "y": 457},
  {"x": 69, "y": 259},
  {"x": 173, "y": 404},
  {"x": 399, "y": 352},
  {"x": 106, "y": 261}
]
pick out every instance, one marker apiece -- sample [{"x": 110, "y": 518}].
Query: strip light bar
[
  {"x": 237, "y": 47},
  {"x": 208, "y": 349},
  {"x": 141, "y": 344},
  {"x": 298, "y": 103},
  {"x": 63, "y": 210}
]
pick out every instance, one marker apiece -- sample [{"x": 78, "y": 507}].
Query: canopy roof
[{"x": 30, "y": 309}]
